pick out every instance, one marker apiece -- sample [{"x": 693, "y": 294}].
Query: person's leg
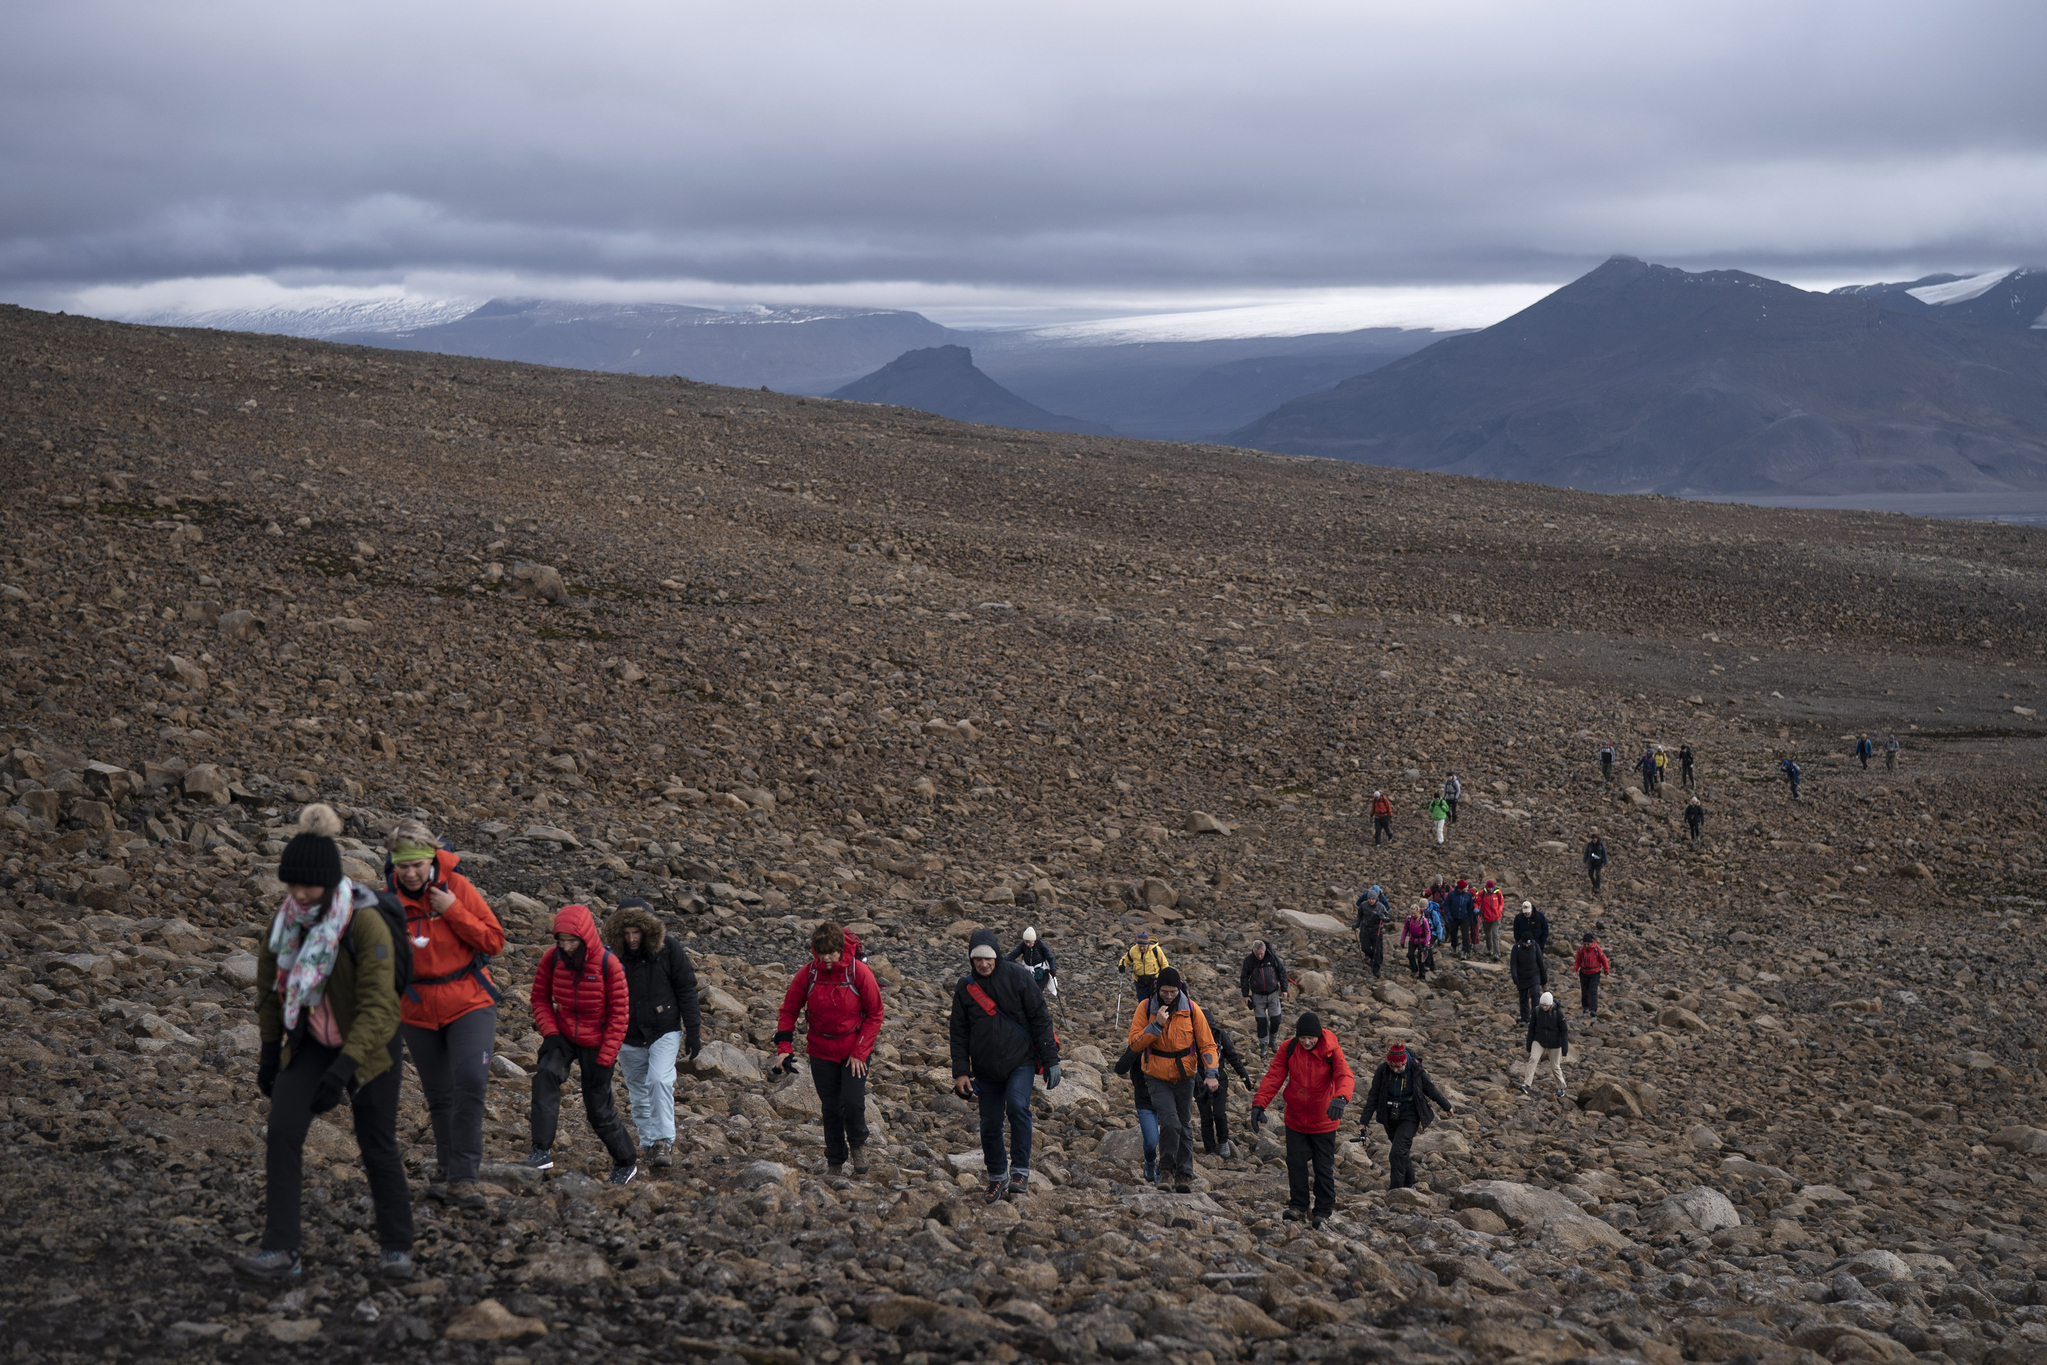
[
  {"x": 1534, "y": 1061},
  {"x": 469, "y": 1041},
  {"x": 291, "y": 1117},
  {"x": 1453, "y": 812},
  {"x": 1298, "y": 1154},
  {"x": 1183, "y": 1101},
  {"x": 1176, "y": 1146},
  {"x": 376, "y": 1138},
  {"x": 1400, "y": 1161},
  {"x": 1016, "y": 1106},
  {"x": 1144, "y": 985},
  {"x": 1555, "y": 1057},
  {"x": 601, "y": 1109},
  {"x": 661, "y": 1055},
  {"x": 1219, "y": 1102},
  {"x": 429, "y": 1049},
  {"x": 632, "y": 1066},
  {"x": 1322, "y": 1149},
  {"x": 1205, "y": 1110},
  {"x": 1148, "y": 1129},
  {"x": 826, "y": 1076},
  {"x": 548, "y": 1079},
  {"x": 1439, "y": 831}
]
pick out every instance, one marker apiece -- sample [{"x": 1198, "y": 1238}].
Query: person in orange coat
[
  {"x": 1171, "y": 1037},
  {"x": 1317, "y": 1081},
  {"x": 449, "y": 1017}
]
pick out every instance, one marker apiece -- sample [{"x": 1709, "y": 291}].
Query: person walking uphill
[
  {"x": 1143, "y": 960},
  {"x": 1590, "y": 964},
  {"x": 1492, "y": 908},
  {"x": 449, "y": 1017},
  {"x": 1549, "y": 1040},
  {"x": 844, "y": 1004},
  {"x": 1529, "y": 973},
  {"x": 1375, "y": 912},
  {"x": 1315, "y": 1079},
  {"x": 582, "y": 1009},
  {"x": 327, "y": 978},
  {"x": 1001, "y": 1037},
  {"x": 1399, "y": 1099},
  {"x": 1262, "y": 982},
  {"x": 1170, "y": 1034},
  {"x": 1382, "y": 817},
  {"x": 664, "y": 1019}
]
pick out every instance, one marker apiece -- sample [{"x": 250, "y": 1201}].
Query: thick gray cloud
[{"x": 1140, "y": 145}]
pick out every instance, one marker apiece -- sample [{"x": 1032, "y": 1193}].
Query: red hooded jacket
[
  {"x": 1312, "y": 1076},
  {"x": 447, "y": 980},
  {"x": 1492, "y": 905},
  {"x": 1591, "y": 961},
  {"x": 844, "y": 1001},
  {"x": 590, "y": 1008}
]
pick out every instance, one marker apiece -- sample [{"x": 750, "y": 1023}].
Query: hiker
[
  {"x": 1382, "y": 818},
  {"x": 1606, "y": 761},
  {"x": 1178, "y": 1053},
  {"x": 1035, "y": 958},
  {"x": 1646, "y": 765},
  {"x": 1595, "y": 860},
  {"x": 1374, "y": 913},
  {"x": 1147, "y": 1117},
  {"x": 1492, "y": 908},
  {"x": 327, "y": 978},
  {"x": 1662, "y": 767},
  {"x": 1685, "y": 775},
  {"x": 1528, "y": 971},
  {"x": 1263, "y": 984},
  {"x": 449, "y": 1017},
  {"x": 1695, "y": 818},
  {"x": 1549, "y": 1040},
  {"x": 1864, "y": 750},
  {"x": 844, "y": 1004},
  {"x": 1214, "y": 1104},
  {"x": 1453, "y": 792},
  {"x": 1414, "y": 936},
  {"x": 1532, "y": 925},
  {"x": 1590, "y": 964},
  {"x": 663, "y": 1018},
  {"x": 1439, "y": 815},
  {"x": 1890, "y": 753},
  {"x": 1143, "y": 960},
  {"x": 1792, "y": 774},
  {"x": 1399, "y": 1099},
  {"x": 1001, "y": 1038},
  {"x": 582, "y": 1011},
  {"x": 1437, "y": 930},
  {"x": 1461, "y": 910},
  {"x": 1315, "y": 1078}
]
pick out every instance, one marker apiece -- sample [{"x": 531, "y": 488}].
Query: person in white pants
[{"x": 1549, "y": 1040}]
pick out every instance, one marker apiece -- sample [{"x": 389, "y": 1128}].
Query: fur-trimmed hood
[{"x": 652, "y": 931}]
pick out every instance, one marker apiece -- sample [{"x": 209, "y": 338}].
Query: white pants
[
  {"x": 1537, "y": 1055},
  {"x": 650, "y": 1084},
  {"x": 1439, "y": 830}
]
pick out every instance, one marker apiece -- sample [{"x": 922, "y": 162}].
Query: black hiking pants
[
  {"x": 1400, "y": 1162},
  {"x": 1215, "y": 1113},
  {"x": 374, "y": 1108},
  {"x": 1373, "y": 945},
  {"x": 1311, "y": 1156},
  {"x": 1588, "y": 992},
  {"x": 1382, "y": 826},
  {"x": 599, "y": 1106}
]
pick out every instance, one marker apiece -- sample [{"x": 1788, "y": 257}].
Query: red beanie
[
  {"x": 1396, "y": 1055},
  {"x": 1463, "y": 885}
]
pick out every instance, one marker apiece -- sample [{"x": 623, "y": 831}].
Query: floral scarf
[{"x": 304, "y": 942}]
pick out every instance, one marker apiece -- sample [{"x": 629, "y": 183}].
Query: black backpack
[{"x": 401, "y": 941}]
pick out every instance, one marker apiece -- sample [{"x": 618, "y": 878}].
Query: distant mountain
[
  {"x": 800, "y": 350},
  {"x": 320, "y": 320},
  {"x": 2002, "y": 298},
  {"x": 1641, "y": 378},
  {"x": 943, "y": 379}
]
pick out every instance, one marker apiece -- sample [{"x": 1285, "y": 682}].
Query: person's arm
[
  {"x": 1563, "y": 1033},
  {"x": 1244, "y": 976},
  {"x": 682, "y": 980},
  {"x": 542, "y": 996},
  {"x": 1038, "y": 1022},
  {"x": 792, "y": 1005},
  {"x": 1051, "y": 962},
  {"x": 1346, "y": 1082},
  {"x": 1123, "y": 962},
  {"x": 618, "y": 1010},
  {"x": 870, "y": 1010},
  {"x": 1014, "y": 953},
  {"x": 956, "y": 1031},
  {"x": 376, "y": 990},
  {"x": 1275, "y": 1074},
  {"x": 1435, "y": 1096},
  {"x": 1142, "y": 1029},
  {"x": 471, "y": 918},
  {"x": 269, "y": 1007},
  {"x": 1204, "y": 1047}
]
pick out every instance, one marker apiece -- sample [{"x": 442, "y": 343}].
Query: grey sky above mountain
[{"x": 1058, "y": 151}]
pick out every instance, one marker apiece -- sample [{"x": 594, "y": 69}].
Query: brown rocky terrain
[{"x": 763, "y": 660}]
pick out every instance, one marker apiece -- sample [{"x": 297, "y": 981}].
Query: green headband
[{"x": 411, "y": 852}]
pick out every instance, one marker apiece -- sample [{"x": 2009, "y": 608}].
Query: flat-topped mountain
[{"x": 944, "y": 380}]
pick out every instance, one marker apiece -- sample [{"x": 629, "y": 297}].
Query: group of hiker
[{"x": 1467, "y": 919}]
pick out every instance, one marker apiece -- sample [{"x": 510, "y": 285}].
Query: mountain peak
[{"x": 945, "y": 380}]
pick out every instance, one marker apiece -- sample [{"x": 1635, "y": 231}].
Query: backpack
[
  {"x": 1265, "y": 977},
  {"x": 401, "y": 941},
  {"x": 987, "y": 1004},
  {"x": 479, "y": 963}
]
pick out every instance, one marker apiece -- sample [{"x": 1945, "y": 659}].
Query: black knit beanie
[
  {"x": 312, "y": 858},
  {"x": 1309, "y": 1025}
]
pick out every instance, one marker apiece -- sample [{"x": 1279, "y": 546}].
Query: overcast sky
[{"x": 980, "y": 161}]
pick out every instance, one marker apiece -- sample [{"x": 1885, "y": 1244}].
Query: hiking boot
[
  {"x": 1183, "y": 1185},
  {"x": 539, "y": 1159},
  {"x": 836, "y": 1170},
  {"x": 1524, "y": 1088},
  {"x": 1294, "y": 1215},
  {"x": 1151, "y": 1170},
  {"x": 396, "y": 1265},
  {"x": 623, "y": 1175},
  {"x": 663, "y": 1155},
  {"x": 1317, "y": 1222},
  {"x": 270, "y": 1265},
  {"x": 997, "y": 1187},
  {"x": 1019, "y": 1184},
  {"x": 859, "y": 1161},
  {"x": 466, "y": 1194},
  {"x": 1225, "y": 1151},
  {"x": 1560, "y": 1092}
]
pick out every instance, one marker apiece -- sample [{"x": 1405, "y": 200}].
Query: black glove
[
  {"x": 788, "y": 1066},
  {"x": 334, "y": 1084},
  {"x": 1243, "y": 1075},
  {"x": 1258, "y": 1117},
  {"x": 1336, "y": 1108},
  {"x": 692, "y": 1046},
  {"x": 266, "y": 1067}
]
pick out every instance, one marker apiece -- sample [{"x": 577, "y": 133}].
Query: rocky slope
[{"x": 764, "y": 660}]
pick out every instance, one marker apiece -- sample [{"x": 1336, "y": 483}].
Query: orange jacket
[
  {"x": 448, "y": 980},
  {"x": 1381, "y": 806},
  {"x": 1182, "y": 1048}
]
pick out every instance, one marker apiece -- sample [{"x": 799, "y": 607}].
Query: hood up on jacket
[
  {"x": 577, "y": 920},
  {"x": 979, "y": 937},
  {"x": 652, "y": 930}
]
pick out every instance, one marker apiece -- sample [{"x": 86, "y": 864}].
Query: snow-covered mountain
[
  {"x": 2002, "y": 297},
  {"x": 319, "y": 318}
]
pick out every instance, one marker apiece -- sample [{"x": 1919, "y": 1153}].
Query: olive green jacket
[{"x": 361, "y": 989}]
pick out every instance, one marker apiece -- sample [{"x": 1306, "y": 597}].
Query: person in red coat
[
  {"x": 581, "y": 1007},
  {"x": 844, "y": 1003},
  {"x": 1316, "y": 1077},
  {"x": 1591, "y": 964}
]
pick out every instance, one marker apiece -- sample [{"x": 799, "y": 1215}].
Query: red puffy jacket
[
  {"x": 590, "y": 1008},
  {"x": 1313, "y": 1076},
  {"x": 844, "y": 1001},
  {"x": 1591, "y": 961}
]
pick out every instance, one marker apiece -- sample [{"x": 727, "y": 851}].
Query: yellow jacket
[
  {"x": 1143, "y": 959},
  {"x": 1182, "y": 1048}
]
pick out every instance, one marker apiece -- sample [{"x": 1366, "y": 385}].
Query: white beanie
[
  {"x": 1528, "y": 905},
  {"x": 1030, "y": 936},
  {"x": 1548, "y": 1000}
]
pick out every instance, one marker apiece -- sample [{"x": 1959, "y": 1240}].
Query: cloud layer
[{"x": 1070, "y": 150}]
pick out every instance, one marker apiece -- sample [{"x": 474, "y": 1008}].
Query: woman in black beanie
[{"x": 327, "y": 1009}]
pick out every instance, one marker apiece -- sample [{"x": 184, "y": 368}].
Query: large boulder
[
  {"x": 1521, "y": 1205},
  {"x": 1578, "y": 1231},
  {"x": 721, "y": 1061},
  {"x": 1314, "y": 923},
  {"x": 1699, "y": 1209},
  {"x": 2020, "y": 1139}
]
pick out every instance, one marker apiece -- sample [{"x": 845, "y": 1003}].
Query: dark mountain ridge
[{"x": 944, "y": 380}]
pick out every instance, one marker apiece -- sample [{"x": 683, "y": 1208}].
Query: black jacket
[
  {"x": 660, "y": 983},
  {"x": 1369, "y": 907},
  {"x": 1253, "y": 963},
  {"x": 1019, "y": 1032},
  {"x": 1226, "y": 1053},
  {"x": 1034, "y": 955},
  {"x": 1595, "y": 853},
  {"x": 1525, "y": 966},
  {"x": 1379, "y": 1105},
  {"x": 1532, "y": 924},
  {"x": 1695, "y": 816},
  {"x": 1548, "y": 1027}
]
